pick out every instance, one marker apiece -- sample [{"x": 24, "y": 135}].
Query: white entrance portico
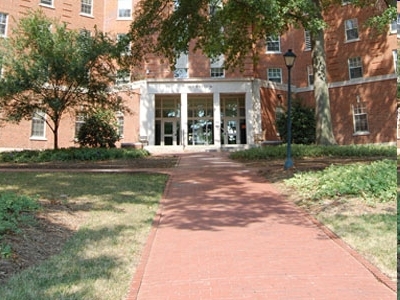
[{"x": 194, "y": 113}]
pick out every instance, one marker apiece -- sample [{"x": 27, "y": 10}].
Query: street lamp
[{"x": 289, "y": 58}]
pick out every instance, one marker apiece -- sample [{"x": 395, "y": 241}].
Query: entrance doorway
[
  {"x": 167, "y": 123},
  {"x": 170, "y": 132}
]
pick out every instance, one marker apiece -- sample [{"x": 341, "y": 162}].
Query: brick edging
[
  {"x": 378, "y": 274},
  {"x": 136, "y": 281}
]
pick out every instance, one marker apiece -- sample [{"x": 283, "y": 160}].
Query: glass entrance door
[
  {"x": 230, "y": 133},
  {"x": 170, "y": 133}
]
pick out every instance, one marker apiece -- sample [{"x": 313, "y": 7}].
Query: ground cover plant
[
  {"x": 88, "y": 235},
  {"x": 71, "y": 155},
  {"x": 350, "y": 189}
]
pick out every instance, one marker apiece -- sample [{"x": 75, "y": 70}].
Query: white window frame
[
  {"x": 310, "y": 75},
  {"x": 3, "y": 24},
  {"x": 217, "y": 69},
  {"x": 87, "y": 7},
  {"x": 49, "y": 3},
  {"x": 274, "y": 75},
  {"x": 351, "y": 28},
  {"x": 273, "y": 42},
  {"x": 360, "y": 119},
  {"x": 398, "y": 25},
  {"x": 307, "y": 40},
  {"x": 181, "y": 66},
  {"x": 38, "y": 126},
  {"x": 124, "y": 10},
  {"x": 120, "y": 124},
  {"x": 355, "y": 63},
  {"x": 395, "y": 57},
  {"x": 398, "y": 123},
  {"x": 123, "y": 76},
  {"x": 80, "y": 119},
  {"x": 128, "y": 47}
]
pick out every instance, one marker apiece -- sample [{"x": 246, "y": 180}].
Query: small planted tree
[
  {"x": 99, "y": 130},
  {"x": 303, "y": 124},
  {"x": 50, "y": 70}
]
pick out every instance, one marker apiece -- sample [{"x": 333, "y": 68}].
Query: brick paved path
[{"x": 225, "y": 233}]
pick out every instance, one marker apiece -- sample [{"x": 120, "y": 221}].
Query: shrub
[
  {"x": 303, "y": 124},
  {"x": 99, "y": 130},
  {"x": 15, "y": 209}
]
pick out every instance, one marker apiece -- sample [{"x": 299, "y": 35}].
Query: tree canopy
[
  {"x": 52, "y": 69},
  {"x": 238, "y": 29}
]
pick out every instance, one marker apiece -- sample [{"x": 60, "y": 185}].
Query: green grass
[
  {"x": 99, "y": 260},
  {"x": 371, "y": 234}
]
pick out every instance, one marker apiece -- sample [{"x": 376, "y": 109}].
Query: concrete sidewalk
[{"x": 225, "y": 233}]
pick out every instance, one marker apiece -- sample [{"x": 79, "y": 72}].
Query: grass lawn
[{"x": 108, "y": 217}]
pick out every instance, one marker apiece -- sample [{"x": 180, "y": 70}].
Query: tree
[
  {"x": 53, "y": 70},
  {"x": 99, "y": 130},
  {"x": 237, "y": 29}
]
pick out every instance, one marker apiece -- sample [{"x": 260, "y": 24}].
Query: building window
[
  {"x": 181, "y": 66},
  {"x": 79, "y": 121},
  {"x": 125, "y": 9},
  {"x": 3, "y": 24},
  {"x": 38, "y": 124},
  {"x": 360, "y": 118},
  {"x": 87, "y": 7},
  {"x": 398, "y": 25},
  {"x": 123, "y": 39},
  {"x": 310, "y": 75},
  {"x": 398, "y": 123},
  {"x": 85, "y": 32},
  {"x": 123, "y": 77},
  {"x": 217, "y": 67},
  {"x": 351, "y": 27},
  {"x": 120, "y": 124},
  {"x": 307, "y": 40},
  {"x": 275, "y": 75},
  {"x": 273, "y": 44},
  {"x": 47, "y": 2},
  {"x": 395, "y": 54},
  {"x": 355, "y": 68}
]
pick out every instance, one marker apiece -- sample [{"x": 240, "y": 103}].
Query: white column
[
  {"x": 217, "y": 119},
  {"x": 253, "y": 112},
  {"x": 184, "y": 119},
  {"x": 147, "y": 117}
]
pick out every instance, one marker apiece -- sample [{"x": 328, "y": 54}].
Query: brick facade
[{"x": 376, "y": 90}]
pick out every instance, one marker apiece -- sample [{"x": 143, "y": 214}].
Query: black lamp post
[{"x": 290, "y": 58}]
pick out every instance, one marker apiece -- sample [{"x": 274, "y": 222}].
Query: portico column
[
  {"x": 217, "y": 119},
  {"x": 184, "y": 119}
]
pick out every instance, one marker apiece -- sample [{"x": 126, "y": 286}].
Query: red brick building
[{"x": 202, "y": 105}]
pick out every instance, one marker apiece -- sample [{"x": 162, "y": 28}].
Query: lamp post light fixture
[{"x": 289, "y": 58}]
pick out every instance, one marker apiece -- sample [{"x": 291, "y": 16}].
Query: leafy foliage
[
  {"x": 53, "y": 69},
  {"x": 99, "y": 130},
  {"x": 15, "y": 210},
  {"x": 303, "y": 124},
  {"x": 71, "y": 154},
  {"x": 374, "y": 182},
  {"x": 302, "y": 151}
]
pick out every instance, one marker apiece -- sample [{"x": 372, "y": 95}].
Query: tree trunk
[{"x": 324, "y": 131}]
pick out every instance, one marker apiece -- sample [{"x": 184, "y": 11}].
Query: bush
[
  {"x": 99, "y": 131},
  {"x": 15, "y": 209},
  {"x": 302, "y": 151},
  {"x": 303, "y": 124},
  {"x": 71, "y": 154}
]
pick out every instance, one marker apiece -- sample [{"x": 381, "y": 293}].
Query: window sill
[
  {"x": 47, "y": 6},
  {"x": 38, "y": 138},
  {"x": 124, "y": 18},
  {"x": 86, "y": 15},
  {"x": 360, "y": 133},
  {"x": 351, "y": 41}
]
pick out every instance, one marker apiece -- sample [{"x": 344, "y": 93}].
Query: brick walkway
[{"x": 225, "y": 233}]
